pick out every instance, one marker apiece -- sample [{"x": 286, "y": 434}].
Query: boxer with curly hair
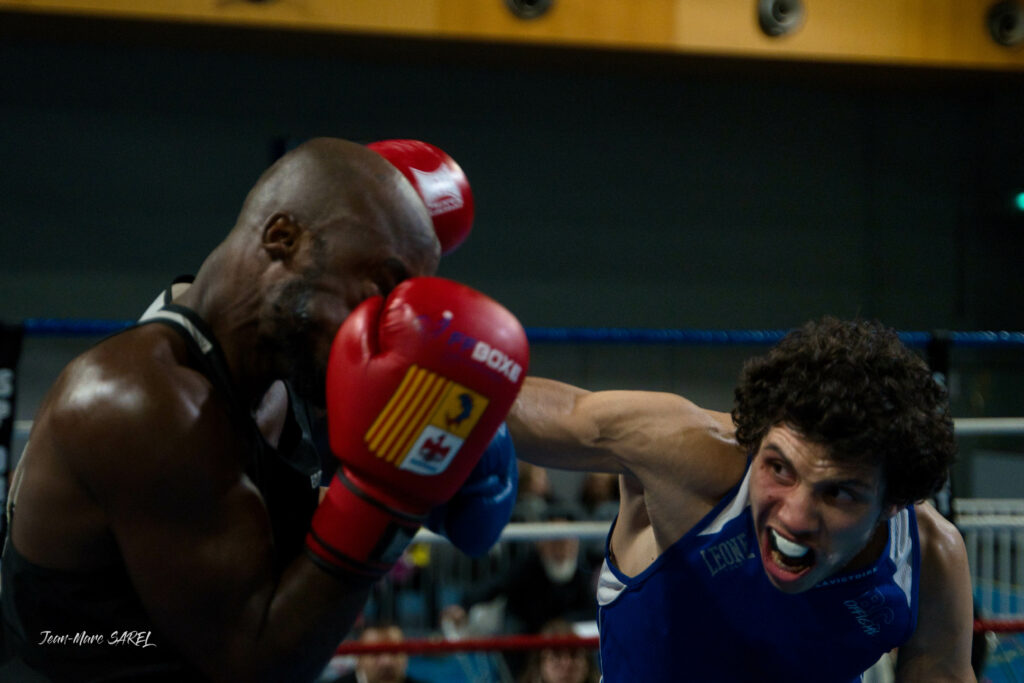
[{"x": 789, "y": 540}]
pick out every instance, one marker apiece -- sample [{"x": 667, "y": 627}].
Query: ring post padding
[{"x": 10, "y": 349}]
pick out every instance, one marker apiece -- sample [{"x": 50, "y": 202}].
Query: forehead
[
  {"x": 813, "y": 460},
  {"x": 350, "y": 244}
]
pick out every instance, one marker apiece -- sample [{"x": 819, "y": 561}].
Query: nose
[{"x": 797, "y": 511}]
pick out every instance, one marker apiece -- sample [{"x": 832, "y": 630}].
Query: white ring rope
[
  {"x": 535, "y": 531},
  {"x": 979, "y": 426}
]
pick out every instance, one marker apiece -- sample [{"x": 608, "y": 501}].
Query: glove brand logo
[
  {"x": 482, "y": 351},
  {"x": 439, "y": 191},
  {"x": 432, "y": 327},
  {"x": 434, "y": 449},
  {"x": 432, "y": 452},
  {"x": 466, "y": 404},
  {"x": 496, "y": 360},
  {"x": 425, "y": 422},
  {"x": 870, "y": 611}
]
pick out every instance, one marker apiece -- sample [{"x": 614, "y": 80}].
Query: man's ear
[{"x": 281, "y": 236}]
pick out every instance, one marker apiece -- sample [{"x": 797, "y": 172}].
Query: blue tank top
[{"x": 705, "y": 611}]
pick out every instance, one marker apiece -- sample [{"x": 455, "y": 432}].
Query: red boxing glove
[
  {"x": 439, "y": 182},
  {"x": 417, "y": 386}
]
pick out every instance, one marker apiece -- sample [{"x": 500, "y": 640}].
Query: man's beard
[
  {"x": 293, "y": 344},
  {"x": 309, "y": 380}
]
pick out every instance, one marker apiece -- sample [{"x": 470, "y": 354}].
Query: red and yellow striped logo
[{"x": 422, "y": 399}]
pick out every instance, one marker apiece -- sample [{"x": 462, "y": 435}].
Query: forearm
[
  {"x": 550, "y": 428},
  {"x": 309, "y": 615},
  {"x": 253, "y": 627}
]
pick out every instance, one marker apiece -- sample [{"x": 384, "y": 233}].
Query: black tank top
[{"x": 73, "y": 609}]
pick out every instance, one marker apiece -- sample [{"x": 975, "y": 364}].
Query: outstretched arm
[{"x": 643, "y": 433}]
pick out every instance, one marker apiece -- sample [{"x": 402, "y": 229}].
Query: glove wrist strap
[{"x": 353, "y": 533}]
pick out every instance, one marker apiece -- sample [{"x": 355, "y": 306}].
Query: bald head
[
  {"x": 340, "y": 187},
  {"x": 329, "y": 225}
]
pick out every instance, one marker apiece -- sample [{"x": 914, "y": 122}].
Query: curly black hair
[{"x": 853, "y": 387}]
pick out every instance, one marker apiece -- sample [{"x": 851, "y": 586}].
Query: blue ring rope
[
  {"x": 73, "y": 327},
  {"x": 85, "y": 327}
]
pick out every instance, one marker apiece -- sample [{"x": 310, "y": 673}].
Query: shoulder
[
  {"x": 942, "y": 545},
  {"x": 669, "y": 443},
  {"x": 945, "y": 572},
  {"x": 130, "y": 403},
  {"x": 940, "y": 648}
]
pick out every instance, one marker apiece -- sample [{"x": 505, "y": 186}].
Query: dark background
[{"x": 612, "y": 188}]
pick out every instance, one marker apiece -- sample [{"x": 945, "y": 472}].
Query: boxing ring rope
[
  {"x": 521, "y": 643},
  {"x": 93, "y": 327},
  {"x": 520, "y": 532}
]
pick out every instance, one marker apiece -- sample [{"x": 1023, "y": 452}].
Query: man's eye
[
  {"x": 841, "y": 494},
  {"x": 779, "y": 470}
]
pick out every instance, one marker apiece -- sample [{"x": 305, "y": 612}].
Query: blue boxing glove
[{"x": 474, "y": 517}]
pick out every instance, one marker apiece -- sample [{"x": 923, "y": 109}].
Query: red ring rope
[
  {"x": 999, "y": 625},
  {"x": 414, "y": 646}
]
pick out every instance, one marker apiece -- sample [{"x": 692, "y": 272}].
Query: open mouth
[{"x": 789, "y": 555}]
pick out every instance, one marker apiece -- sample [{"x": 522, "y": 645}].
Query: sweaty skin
[
  {"x": 675, "y": 461},
  {"x": 133, "y": 459}
]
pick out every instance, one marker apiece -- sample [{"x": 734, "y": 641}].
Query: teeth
[{"x": 787, "y": 547}]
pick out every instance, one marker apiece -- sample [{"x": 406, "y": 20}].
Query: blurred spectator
[
  {"x": 599, "y": 498},
  {"x": 534, "y": 491},
  {"x": 548, "y": 582},
  {"x": 560, "y": 665},
  {"x": 599, "y": 495},
  {"x": 383, "y": 667}
]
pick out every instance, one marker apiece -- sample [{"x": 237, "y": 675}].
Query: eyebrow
[{"x": 850, "y": 481}]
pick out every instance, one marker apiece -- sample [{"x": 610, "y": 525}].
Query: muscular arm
[
  {"x": 676, "y": 459},
  {"x": 642, "y": 433},
  {"x": 163, "y": 462},
  {"x": 940, "y": 649}
]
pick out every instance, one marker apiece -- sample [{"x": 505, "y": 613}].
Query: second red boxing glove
[
  {"x": 439, "y": 182},
  {"x": 417, "y": 385}
]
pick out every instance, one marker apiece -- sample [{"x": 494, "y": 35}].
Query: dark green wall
[{"x": 611, "y": 189}]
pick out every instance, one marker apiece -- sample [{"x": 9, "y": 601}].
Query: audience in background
[
  {"x": 599, "y": 499},
  {"x": 550, "y": 581},
  {"x": 599, "y": 495},
  {"x": 534, "y": 493},
  {"x": 560, "y": 665},
  {"x": 383, "y": 667}
]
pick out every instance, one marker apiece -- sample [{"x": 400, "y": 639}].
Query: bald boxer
[
  {"x": 166, "y": 525},
  {"x": 786, "y": 541}
]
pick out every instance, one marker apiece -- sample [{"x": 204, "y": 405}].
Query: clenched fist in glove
[
  {"x": 439, "y": 182},
  {"x": 417, "y": 386}
]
